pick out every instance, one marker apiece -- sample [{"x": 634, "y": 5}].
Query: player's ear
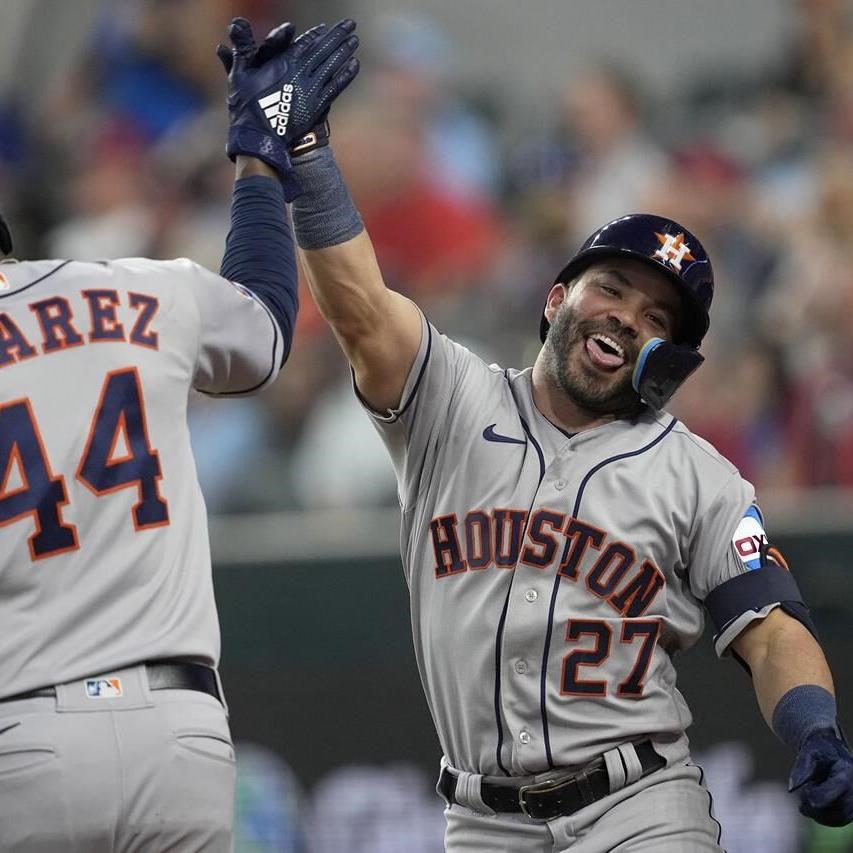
[{"x": 556, "y": 297}]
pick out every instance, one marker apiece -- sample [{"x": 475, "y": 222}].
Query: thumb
[{"x": 802, "y": 771}]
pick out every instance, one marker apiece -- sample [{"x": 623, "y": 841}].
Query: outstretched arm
[
  {"x": 794, "y": 688},
  {"x": 379, "y": 330},
  {"x": 781, "y": 654}
]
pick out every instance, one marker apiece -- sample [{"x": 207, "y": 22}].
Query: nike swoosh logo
[
  {"x": 490, "y": 435},
  {"x": 14, "y": 725}
]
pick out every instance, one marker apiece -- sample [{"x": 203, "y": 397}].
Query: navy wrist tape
[
  {"x": 259, "y": 251},
  {"x": 324, "y": 214},
  {"x": 801, "y": 711}
]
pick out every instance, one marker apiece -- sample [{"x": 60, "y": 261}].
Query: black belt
[
  {"x": 549, "y": 799},
  {"x": 162, "y": 675}
]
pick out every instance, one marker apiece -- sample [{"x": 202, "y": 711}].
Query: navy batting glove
[
  {"x": 823, "y": 779},
  {"x": 281, "y": 90}
]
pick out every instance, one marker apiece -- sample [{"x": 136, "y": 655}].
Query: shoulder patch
[{"x": 750, "y": 540}]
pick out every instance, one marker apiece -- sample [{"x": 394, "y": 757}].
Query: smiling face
[{"x": 599, "y": 323}]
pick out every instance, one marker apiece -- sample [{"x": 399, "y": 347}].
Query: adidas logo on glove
[{"x": 276, "y": 107}]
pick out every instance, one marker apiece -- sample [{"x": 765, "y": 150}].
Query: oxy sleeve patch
[{"x": 750, "y": 540}]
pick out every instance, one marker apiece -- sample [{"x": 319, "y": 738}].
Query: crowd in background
[{"x": 472, "y": 217}]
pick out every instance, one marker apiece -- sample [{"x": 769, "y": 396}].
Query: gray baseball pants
[{"x": 144, "y": 772}]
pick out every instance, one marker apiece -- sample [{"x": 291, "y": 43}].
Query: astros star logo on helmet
[{"x": 673, "y": 250}]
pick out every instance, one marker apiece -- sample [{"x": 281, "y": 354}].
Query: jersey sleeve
[
  {"x": 412, "y": 431},
  {"x": 240, "y": 345},
  {"x": 711, "y": 560},
  {"x": 735, "y": 572}
]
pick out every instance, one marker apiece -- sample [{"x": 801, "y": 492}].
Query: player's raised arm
[
  {"x": 378, "y": 329},
  {"x": 277, "y": 91}
]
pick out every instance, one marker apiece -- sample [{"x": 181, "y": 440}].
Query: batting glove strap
[
  {"x": 316, "y": 138},
  {"x": 822, "y": 777},
  {"x": 253, "y": 143}
]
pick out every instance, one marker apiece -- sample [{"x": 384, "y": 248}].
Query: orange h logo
[{"x": 673, "y": 250}]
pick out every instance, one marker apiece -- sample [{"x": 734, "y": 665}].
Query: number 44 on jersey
[{"x": 29, "y": 487}]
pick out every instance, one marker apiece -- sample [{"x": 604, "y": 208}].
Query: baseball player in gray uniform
[
  {"x": 113, "y": 726},
  {"x": 563, "y": 536}
]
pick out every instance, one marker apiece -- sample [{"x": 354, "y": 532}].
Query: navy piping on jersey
[
  {"x": 414, "y": 387},
  {"x": 421, "y": 373},
  {"x": 502, "y": 620},
  {"x": 275, "y": 332},
  {"x": 498, "y": 723},
  {"x": 710, "y": 801},
  {"x": 587, "y": 477},
  {"x": 34, "y": 283}
]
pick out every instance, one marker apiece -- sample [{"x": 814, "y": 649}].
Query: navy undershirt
[{"x": 259, "y": 250}]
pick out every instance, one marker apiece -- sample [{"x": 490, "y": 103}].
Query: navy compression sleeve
[{"x": 259, "y": 250}]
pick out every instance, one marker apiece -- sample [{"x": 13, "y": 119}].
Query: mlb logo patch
[{"x": 103, "y": 688}]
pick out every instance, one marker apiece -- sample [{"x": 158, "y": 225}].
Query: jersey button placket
[
  {"x": 531, "y": 595},
  {"x": 521, "y": 667}
]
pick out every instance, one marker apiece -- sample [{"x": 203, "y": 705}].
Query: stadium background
[{"x": 480, "y": 155}]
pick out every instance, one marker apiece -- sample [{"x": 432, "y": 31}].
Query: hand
[
  {"x": 281, "y": 90},
  {"x": 823, "y": 779}
]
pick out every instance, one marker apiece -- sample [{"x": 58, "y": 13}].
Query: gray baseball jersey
[
  {"x": 553, "y": 576},
  {"x": 104, "y": 555}
]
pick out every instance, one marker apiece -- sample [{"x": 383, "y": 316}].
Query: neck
[{"x": 561, "y": 409}]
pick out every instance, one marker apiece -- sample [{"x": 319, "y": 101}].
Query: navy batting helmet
[
  {"x": 670, "y": 248},
  {"x": 664, "y": 245},
  {"x": 5, "y": 238}
]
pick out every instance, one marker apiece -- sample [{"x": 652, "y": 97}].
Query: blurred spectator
[
  {"x": 225, "y": 444},
  {"x": 269, "y": 803},
  {"x": 428, "y": 240},
  {"x": 737, "y": 401},
  {"x": 618, "y": 162},
  {"x": 109, "y": 212},
  {"x": 152, "y": 83},
  {"x": 807, "y": 312},
  {"x": 417, "y": 64},
  {"x": 756, "y": 817},
  {"x": 376, "y": 810},
  {"x": 340, "y": 461}
]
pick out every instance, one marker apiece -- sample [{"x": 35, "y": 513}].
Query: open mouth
[{"x": 605, "y": 352}]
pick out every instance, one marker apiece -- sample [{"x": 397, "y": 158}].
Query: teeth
[{"x": 610, "y": 342}]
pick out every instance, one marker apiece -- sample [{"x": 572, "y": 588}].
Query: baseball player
[
  {"x": 113, "y": 726},
  {"x": 563, "y": 536}
]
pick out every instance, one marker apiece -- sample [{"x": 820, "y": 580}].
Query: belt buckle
[{"x": 543, "y": 787}]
